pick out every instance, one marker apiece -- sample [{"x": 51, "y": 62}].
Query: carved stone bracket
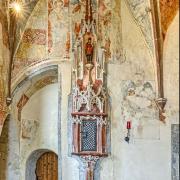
[
  {"x": 89, "y": 165},
  {"x": 161, "y": 102}
]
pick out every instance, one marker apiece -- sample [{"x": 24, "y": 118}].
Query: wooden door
[{"x": 47, "y": 167}]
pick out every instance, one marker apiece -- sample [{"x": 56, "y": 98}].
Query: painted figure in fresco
[{"x": 89, "y": 51}]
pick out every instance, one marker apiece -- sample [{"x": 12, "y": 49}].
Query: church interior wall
[
  {"x": 148, "y": 154},
  {"x": 132, "y": 88}
]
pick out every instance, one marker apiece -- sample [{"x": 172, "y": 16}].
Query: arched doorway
[
  {"x": 47, "y": 167},
  {"x": 42, "y": 164}
]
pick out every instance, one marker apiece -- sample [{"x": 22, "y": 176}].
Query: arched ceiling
[
  {"x": 21, "y": 24},
  {"x": 5, "y": 44},
  {"x": 28, "y": 87}
]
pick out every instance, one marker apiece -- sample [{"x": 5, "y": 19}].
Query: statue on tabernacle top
[{"x": 89, "y": 51}]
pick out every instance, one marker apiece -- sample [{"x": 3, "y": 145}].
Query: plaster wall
[
  {"x": 39, "y": 127},
  {"x": 148, "y": 156},
  {"x": 13, "y": 162},
  {"x": 171, "y": 81},
  {"x": 9, "y": 150},
  {"x": 171, "y": 70}
]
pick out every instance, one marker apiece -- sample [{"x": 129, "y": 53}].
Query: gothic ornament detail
[{"x": 89, "y": 96}]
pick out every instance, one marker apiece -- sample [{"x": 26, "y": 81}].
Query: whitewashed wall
[
  {"x": 148, "y": 157},
  {"x": 40, "y": 119},
  {"x": 171, "y": 79},
  {"x": 171, "y": 70}
]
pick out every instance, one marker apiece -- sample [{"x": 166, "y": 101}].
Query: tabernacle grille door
[{"x": 89, "y": 135}]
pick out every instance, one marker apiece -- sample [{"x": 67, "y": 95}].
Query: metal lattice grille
[{"x": 89, "y": 136}]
